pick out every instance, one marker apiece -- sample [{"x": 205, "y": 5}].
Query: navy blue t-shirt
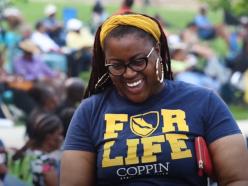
[{"x": 151, "y": 142}]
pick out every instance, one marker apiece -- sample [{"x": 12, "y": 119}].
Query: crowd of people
[
  {"x": 40, "y": 86},
  {"x": 198, "y": 63}
]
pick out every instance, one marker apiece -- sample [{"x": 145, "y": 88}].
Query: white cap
[
  {"x": 74, "y": 24},
  {"x": 175, "y": 42},
  {"x": 50, "y": 9},
  {"x": 11, "y": 11},
  {"x": 244, "y": 20}
]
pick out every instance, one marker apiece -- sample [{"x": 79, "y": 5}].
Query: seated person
[
  {"x": 15, "y": 86},
  {"x": 79, "y": 41},
  {"x": 46, "y": 101},
  {"x": 11, "y": 35},
  {"x": 206, "y": 30},
  {"x": 78, "y": 36},
  {"x": 126, "y": 7},
  {"x": 66, "y": 116},
  {"x": 33, "y": 162},
  {"x": 42, "y": 40},
  {"x": 51, "y": 51},
  {"x": 74, "y": 92},
  {"x": 99, "y": 15},
  {"x": 185, "y": 67},
  {"x": 30, "y": 66},
  {"x": 189, "y": 35},
  {"x": 54, "y": 28}
]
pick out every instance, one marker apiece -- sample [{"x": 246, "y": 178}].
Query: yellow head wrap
[{"x": 136, "y": 20}]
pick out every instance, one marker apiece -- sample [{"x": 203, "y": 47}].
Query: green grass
[
  {"x": 240, "y": 112},
  {"x": 85, "y": 76},
  {"x": 33, "y": 11}
]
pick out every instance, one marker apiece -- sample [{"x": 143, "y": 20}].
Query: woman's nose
[{"x": 129, "y": 73}]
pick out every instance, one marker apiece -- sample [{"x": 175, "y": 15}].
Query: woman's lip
[
  {"x": 136, "y": 88},
  {"x": 134, "y": 84}
]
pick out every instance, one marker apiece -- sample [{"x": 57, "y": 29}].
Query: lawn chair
[{"x": 69, "y": 13}]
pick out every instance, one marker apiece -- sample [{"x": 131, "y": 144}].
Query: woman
[
  {"x": 135, "y": 128},
  {"x": 34, "y": 163}
]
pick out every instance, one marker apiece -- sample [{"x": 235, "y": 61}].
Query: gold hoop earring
[
  {"x": 161, "y": 80},
  {"x": 104, "y": 78}
]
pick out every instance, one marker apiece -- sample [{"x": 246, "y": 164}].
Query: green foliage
[
  {"x": 237, "y": 7},
  {"x": 241, "y": 8},
  {"x": 216, "y": 4}
]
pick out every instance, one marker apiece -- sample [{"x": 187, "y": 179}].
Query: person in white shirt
[
  {"x": 42, "y": 40},
  {"x": 52, "y": 53}
]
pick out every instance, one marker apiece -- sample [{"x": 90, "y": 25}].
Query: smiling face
[{"x": 136, "y": 86}]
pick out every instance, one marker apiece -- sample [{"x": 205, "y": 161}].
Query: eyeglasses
[{"x": 136, "y": 65}]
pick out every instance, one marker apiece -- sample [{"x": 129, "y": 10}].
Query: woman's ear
[{"x": 157, "y": 49}]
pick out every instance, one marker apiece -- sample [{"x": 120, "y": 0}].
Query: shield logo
[{"x": 144, "y": 124}]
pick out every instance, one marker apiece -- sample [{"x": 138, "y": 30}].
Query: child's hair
[
  {"x": 38, "y": 129},
  {"x": 66, "y": 116},
  {"x": 74, "y": 90}
]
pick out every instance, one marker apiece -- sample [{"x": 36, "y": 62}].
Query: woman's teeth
[{"x": 134, "y": 84}]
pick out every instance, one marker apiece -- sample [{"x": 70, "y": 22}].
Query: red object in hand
[{"x": 204, "y": 161}]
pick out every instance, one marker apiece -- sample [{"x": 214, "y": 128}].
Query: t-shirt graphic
[{"x": 145, "y": 153}]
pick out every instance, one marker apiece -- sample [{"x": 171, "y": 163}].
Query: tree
[{"x": 237, "y": 7}]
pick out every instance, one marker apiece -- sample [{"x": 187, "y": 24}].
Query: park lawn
[
  {"x": 240, "y": 112},
  {"x": 33, "y": 11}
]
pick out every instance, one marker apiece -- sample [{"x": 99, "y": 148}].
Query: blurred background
[
  {"x": 45, "y": 64},
  {"x": 46, "y": 49}
]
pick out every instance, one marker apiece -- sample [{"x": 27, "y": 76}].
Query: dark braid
[
  {"x": 98, "y": 61},
  {"x": 41, "y": 126},
  {"x": 164, "y": 52},
  {"x": 98, "y": 67}
]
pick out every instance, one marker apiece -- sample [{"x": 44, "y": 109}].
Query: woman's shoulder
[
  {"x": 187, "y": 87},
  {"x": 97, "y": 99}
]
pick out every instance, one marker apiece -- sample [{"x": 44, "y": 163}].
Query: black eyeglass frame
[{"x": 123, "y": 70}]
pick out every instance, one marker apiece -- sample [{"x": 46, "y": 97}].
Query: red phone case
[{"x": 204, "y": 161}]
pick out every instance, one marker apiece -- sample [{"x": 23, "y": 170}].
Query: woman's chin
[{"x": 137, "y": 98}]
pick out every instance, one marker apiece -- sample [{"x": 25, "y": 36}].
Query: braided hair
[
  {"x": 43, "y": 125},
  {"x": 99, "y": 70}
]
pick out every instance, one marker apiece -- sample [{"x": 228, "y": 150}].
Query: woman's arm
[
  {"x": 78, "y": 168},
  {"x": 230, "y": 160}
]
